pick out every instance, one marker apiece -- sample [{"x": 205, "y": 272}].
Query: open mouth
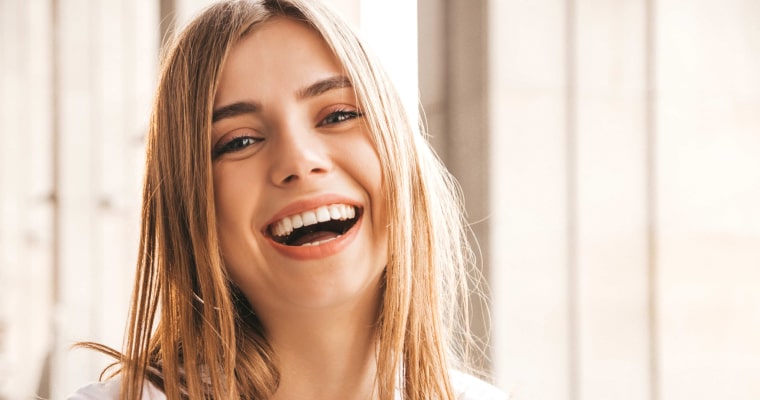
[{"x": 314, "y": 227}]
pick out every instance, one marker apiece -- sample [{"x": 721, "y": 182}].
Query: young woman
[{"x": 300, "y": 240}]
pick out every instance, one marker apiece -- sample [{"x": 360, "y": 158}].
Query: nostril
[{"x": 285, "y": 174}]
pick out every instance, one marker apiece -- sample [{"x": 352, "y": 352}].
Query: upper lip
[{"x": 306, "y": 205}]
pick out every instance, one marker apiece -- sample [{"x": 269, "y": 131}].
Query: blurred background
[{"x": 609, "y": 151}]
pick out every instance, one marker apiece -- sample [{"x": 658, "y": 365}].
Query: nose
[{"x": 298, "y": 156}]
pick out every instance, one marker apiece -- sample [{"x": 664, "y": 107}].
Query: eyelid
[
  {"x": 219, "y": 148},
  {"x": 338, "y": 109}
]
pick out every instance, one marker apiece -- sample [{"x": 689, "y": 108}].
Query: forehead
[{"x": 279, "y": 54}]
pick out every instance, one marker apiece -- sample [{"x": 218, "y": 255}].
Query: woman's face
[{"x": 297, "y": 181}]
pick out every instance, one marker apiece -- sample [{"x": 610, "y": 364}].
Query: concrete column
[
  {"x": 25, "y": 196},
  {"x": 708, "y": 186},
  {"x": 530, "y": 191},
  {"x": 609, "y": 100},
  {"x": 106, "y": 59},
  {"x": 453, "y": 73}
]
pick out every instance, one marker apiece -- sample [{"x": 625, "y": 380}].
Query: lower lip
[{"x": 322, "y": 250}]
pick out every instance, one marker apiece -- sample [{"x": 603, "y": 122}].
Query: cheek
[
  {"x": 235, "y": 187},
  {"x": 367, "y": 162},
  {"x": 234, "y": 202},
  {"x": 226, "y": 198}
]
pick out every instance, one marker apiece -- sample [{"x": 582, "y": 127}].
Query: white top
[{"x": 466, "y": 386}]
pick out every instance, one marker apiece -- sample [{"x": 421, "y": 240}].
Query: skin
[{"x": 281, "y": 151}]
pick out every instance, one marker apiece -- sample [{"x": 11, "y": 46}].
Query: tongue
[{"x": 314, "y": 237}]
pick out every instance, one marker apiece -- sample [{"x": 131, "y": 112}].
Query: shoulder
[
  {"x": 109, "y": 390},
  {"x": 468, "y": 387}
]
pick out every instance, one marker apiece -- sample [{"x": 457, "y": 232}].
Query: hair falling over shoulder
[{"x": 190, "y": 331}]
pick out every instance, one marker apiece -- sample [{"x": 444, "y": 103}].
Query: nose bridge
[{"x": 299, "y": 154}]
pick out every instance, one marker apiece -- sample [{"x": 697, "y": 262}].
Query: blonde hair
[{"x": 190, "y": 331}]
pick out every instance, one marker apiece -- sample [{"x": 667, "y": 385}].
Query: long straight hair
[{"x": 190, "y": 331}]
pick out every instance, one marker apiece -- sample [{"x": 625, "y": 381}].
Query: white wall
[
  {"x": 26, "y": 204},
  {"x": 625, "y": 183}
]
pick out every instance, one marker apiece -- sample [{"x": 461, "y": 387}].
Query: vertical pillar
[
  {"x": 453, "y": 75},
  {"x": 25, "y": 208},
  {"x": 611, "y": 199},
  {"x": 106, "y": 77},
  {"x": 708, "y": 142},
  {"x": 74, "y": 176},
  {"x": 529, "y": 191}
]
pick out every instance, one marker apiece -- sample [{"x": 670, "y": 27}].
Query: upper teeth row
[{"x": 286, "y": 225}]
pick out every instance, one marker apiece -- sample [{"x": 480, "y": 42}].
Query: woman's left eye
[{"x": 339, "y": 116}]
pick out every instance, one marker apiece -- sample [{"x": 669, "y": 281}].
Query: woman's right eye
[{"x": 235, "y": 144}]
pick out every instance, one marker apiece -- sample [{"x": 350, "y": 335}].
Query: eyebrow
[
  {"x": 235, "y": 109},
  {"x": 325, "y": 85},
  {"x": 252, "y": 107}
]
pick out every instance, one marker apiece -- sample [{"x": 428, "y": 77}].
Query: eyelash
[
  {"x": 236, "y": 144},
  {"x": 241, "y": 142},
  {"x": 342, "y": 115}
]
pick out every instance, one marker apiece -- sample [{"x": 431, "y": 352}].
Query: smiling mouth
[{"x": 315, "y": 227}]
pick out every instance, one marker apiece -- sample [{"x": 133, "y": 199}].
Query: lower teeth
[{"x": 320, "y": 242}]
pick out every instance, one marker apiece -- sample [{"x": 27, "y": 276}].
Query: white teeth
[
  {"x": 335, "y": 211},
  {"x": 320, "y": 242},
  {"x": 297, "y": 221},
  {"x": 286, "y": 225},
  {"x": 323, "y": 215},
  {"x": 309, "y": 218}
]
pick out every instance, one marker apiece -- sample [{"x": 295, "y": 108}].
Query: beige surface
[
  {"x": 529, "y": 240},
  {"x": 626, "y": 236},
  {"x": 709, "y": 152},
  {"x": 25, "y": 206}
]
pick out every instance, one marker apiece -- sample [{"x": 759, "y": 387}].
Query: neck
[{"x": 327, "y": 354}]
